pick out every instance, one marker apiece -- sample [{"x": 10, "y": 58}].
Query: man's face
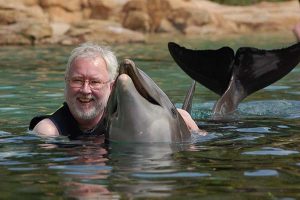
[{"x": 87, "y": 88}]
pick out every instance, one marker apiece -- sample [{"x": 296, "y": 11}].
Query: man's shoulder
[
  {"x": 47, "y": 124},
  {"x": 46, "y": 127}
]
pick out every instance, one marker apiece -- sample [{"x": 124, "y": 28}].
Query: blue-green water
[{"x": 256, "y": 156}]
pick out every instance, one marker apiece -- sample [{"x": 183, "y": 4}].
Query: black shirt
[{"x": 67, "y": 125}]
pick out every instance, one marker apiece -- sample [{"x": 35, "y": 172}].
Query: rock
[
  {"x": 8, "y": 36},
  {"x": 10, "y": 13},
  {"x": 157, "y": 10},
  {"x": 9, "y": 16},
  {"x": 135, "y": 16},
  {"x": 73, "y": 5},
  {"x": 258, "y": 17},
  {"x": 59, "y": 28},
  {"x": 135, "y": 5},
  {"x": 101, "y": 9},
  {"x": 23, "y": 24},
  {"x": 144, "y": 15},
  {"x": 25, "y": 32},
  {"x": 30, "y": 2},
  {"x": 166, "y": 27},
  {"x": 58, "y": 14},
  {"x": 35, "y": 31},
  {"x": 104, "y": 31},
  {"x": 137, "y": 20}
]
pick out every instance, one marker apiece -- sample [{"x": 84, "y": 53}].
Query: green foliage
[{"x": 243, "y": 2}]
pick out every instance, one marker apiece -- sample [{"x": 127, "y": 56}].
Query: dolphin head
[{"x": 139, "y": 111}]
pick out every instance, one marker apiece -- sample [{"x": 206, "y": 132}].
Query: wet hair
[{"x": 92, "y": 50}]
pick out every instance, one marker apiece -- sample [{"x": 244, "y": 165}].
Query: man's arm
[
  {"x": 191, "y": 124},
  {"x": 46, "y": 128}
]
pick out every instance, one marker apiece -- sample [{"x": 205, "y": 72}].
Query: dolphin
[
  {"x": 235, "y": 76},
  {"x": 139, "y": 111}
]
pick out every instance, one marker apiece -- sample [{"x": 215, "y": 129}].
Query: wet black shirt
[{"x": 67, "y": 125}]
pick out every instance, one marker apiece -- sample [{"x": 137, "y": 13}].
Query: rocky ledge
[{"x": 29, "y": 22}]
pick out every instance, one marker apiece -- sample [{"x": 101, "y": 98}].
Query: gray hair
[{"x": 91, "y": 50}]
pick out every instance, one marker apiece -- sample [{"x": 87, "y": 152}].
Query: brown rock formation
[{"x": 68, "y": 22}]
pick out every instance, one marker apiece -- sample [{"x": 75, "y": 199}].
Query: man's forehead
[
  {"x": 89, "y": 66},
  {"x": 96, "y": 59}
]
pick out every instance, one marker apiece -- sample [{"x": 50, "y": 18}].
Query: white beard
[{"x": 85, "y": 114}]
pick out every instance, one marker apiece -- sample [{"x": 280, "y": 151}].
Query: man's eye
[
  {"x": 77, "y": 81},
  {"x": 95, "y": 82}
]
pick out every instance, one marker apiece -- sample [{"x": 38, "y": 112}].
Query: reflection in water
[
  {"x": 88, "y": 191},
  {"x": 83, "y": 167}
]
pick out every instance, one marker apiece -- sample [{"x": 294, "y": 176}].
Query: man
[{"x": 89, "y": 77}]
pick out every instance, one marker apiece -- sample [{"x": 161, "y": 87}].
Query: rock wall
[{"x": 24, "y": 22}]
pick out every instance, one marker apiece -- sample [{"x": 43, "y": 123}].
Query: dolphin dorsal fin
[{"x": 187, "y": 103}]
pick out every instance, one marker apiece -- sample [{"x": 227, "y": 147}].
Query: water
[{"x": 256, "y": 156}]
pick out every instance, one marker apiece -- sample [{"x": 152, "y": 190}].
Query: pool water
[{"x": 254, "y": 156}]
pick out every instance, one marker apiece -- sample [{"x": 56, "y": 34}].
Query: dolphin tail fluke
[
  {"x": 211, "y": 68},
  {"x": 187, "y": 103},
  {"x": 254, "y": 69}
]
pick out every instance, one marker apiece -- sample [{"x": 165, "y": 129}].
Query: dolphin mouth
[
  {"x": 141, "y": 84},
  {"x": 128, "y": 67}
]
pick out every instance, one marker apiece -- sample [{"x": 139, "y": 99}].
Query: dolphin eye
[{"x": 174, "y": 112}]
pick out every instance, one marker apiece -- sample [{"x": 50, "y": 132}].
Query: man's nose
[{"x": 86, "y": 87}]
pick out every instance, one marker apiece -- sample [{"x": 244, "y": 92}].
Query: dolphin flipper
[{"x": 211, "y": 68}]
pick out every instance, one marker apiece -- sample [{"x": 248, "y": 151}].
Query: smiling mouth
[{"x": 85, "y": 100}]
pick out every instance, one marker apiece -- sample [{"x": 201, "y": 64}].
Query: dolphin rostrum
[
  {"x": 235, "y": 76},
  {"x": 139, "y": 111}
]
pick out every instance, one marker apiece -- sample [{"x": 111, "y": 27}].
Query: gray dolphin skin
[
  {"x": 235, "y": 76},
  {"x": 139, "y": 111}
]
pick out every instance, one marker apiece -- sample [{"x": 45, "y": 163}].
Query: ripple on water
[
  {"x": 11, "y": 162},
  {"x": 4, "y": 134},
  {"x": 271, "y": 151},
  {"x": 262, "y": 172},
  {"x": 6, "y": 109},
  {"x": 283, "y": 108},
  {"x": 276, "y": 87},
  {"x": 283, "y": 126},
  {"x": 54, "y": 95},
  {"x": 247, "y": 138},
  {"x": 7, "y": 87},
  {"x": 170, "y": 175},
  {"x": 63, "y": 159},
  {"x": 82, "y": 169},
  {"x": 22, "y": 168},
  {"x": 20, "y": 154},
  {"x": 297, "y": 93},
  {"x": 6, "y": 96},
  {"x": 196, "y": 138},
  {"x": 254, "y": 130}
]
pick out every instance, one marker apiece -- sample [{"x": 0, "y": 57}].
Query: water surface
[{"x": 255, "y": 156}]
